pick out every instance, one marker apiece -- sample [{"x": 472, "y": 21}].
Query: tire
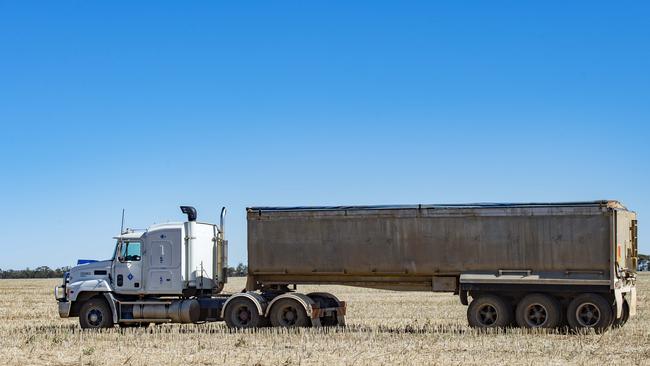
[
  {"x": 489, "y": 311},
  {"x": 538, "y": 311},
  {"x": 589, "y": 311},
  {"x": 95, "y": 314},
  {"x": 624, "y": 317},
  {"x": 288, "y": 313},
  {"x": 242, "y": 313},
  {"x": 564, "y": 323}
]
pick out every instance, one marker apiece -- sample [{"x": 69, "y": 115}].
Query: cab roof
[
  {"x": 137, "y": 234},
  {"x": 130, "y": 235}
]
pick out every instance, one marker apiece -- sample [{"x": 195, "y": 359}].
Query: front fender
[{"x": 76, "y": 288}]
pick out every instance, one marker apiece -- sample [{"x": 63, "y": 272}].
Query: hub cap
[
  {"x": 95, "y": 317},
  {"x": 536, "y": 315},
  {"x": 243, "y": 316},
  {"x": 588, "y": 314},
  {"x": 487, "y": 315},
  {"x": 289, "y": 316}
]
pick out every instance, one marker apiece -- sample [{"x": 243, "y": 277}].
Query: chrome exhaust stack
[{"x": 221, "y": 275}]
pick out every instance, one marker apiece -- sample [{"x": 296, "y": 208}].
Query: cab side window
[{"x": 131, "y": 251}]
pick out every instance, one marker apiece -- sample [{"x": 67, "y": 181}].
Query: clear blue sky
[{"x": 149, "y": 105}]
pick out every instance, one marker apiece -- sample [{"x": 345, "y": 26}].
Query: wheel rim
[
  {"x": 536, "y": 315},
  {"x": 95, "y": 317},
  {"x": 288, "y": 316},
  {"x": 242, "y": 316},
  {"x": 588, "y": 314},
  {"x": 487, "y": 315}
]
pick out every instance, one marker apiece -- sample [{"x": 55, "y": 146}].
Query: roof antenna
[{"x": 122, "y": 228}]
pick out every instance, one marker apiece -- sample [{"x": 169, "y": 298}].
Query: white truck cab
[{"x": 154, "y": 271}]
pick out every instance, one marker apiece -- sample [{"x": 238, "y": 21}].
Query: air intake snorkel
[
  {"x": 190, "y": 242},
  {"x": 190, "y": 212}
]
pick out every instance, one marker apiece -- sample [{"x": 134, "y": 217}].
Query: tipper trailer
[{"x": 534, "y": 265}]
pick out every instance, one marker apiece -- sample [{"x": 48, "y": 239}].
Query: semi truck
[{"x": 533, "y": 265}]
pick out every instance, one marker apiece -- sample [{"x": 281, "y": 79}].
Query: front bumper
[
  {"x": 64, "y": 309},
  {"x": 59, "y": 293}
]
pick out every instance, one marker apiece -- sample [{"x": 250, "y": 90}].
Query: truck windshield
[{"x": 130, "y": 251}]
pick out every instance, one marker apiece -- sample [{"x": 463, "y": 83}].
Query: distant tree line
[
  {"x": 47, "y": 272},
  {"x": 240, "y": 271},
  {"x": 38, "y": 272}
]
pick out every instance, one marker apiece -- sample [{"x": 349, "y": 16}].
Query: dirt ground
[{"x": 383, "y": 327}]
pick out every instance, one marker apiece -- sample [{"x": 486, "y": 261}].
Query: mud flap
[
  {"x": 632, "y": 301},
  {"x": 110, "y": 299},
  {"x": 618, "y": 295}
]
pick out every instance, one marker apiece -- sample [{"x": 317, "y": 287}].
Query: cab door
[{"x": 127, "y": 271}]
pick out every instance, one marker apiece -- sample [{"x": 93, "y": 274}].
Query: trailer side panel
[{"x": 407, "y": 246}]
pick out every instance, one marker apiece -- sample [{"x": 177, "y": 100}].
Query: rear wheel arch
[
  {"x": 289, "y": 312},
  {"x": 257, "y": 299},
  {"x": 304, "y": 300}
]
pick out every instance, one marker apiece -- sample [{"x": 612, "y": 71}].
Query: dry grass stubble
[{"x": 383, "y": 328}]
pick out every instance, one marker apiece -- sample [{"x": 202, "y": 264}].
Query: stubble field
[{"x": 383, "y": 328}]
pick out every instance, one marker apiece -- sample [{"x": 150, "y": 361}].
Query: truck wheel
[
  {"x": 589, "y": 311},
  {"x": 241, "y": 314},
  {"x": 624, "y": 317},
  {"x": 489, "y": 311},
  {"x": 95, "y": 313},
  {"x": 288, "y": 313},
  {"x": 538, "y": 311}
]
